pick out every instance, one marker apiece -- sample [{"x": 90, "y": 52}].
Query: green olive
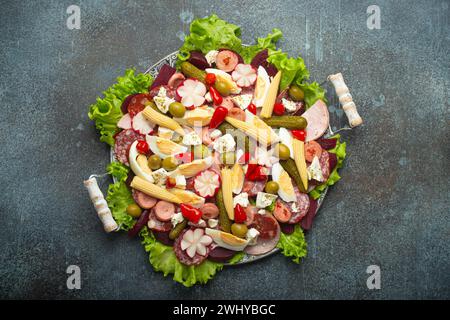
[
  {"x": 272, "y": 187},
  {"x": 134, "y": 210},
  {"x": 228, "y": 158},
  {"x": 177, "y": 110},
  {"x": 283, "y": 151},
  {"x": 296, "y": 93},
  {"x": 177, "y": 138},
  {"x": 154, "y": 162},
  {"x": 222, "y": 87},
  {"x": 239, "y": 230},
  {"x": 170, "y": 163},
  {"x": 200, "y": 151}
]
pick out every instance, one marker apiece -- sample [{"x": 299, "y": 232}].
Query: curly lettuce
[
  {"x": 269, "y": 42},
  {"x": 106, "y": 111},
  {"x": 118, "y": 170},
  {"x": 339, "y": 151},
  {"x": 163, "y": 259},
  {"x": 293, "y": 245}
]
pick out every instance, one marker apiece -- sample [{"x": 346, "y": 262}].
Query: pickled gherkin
[
  {"x": 288, "y": 122},
  {"x": 291, "y": 169},
  {"x": 191, "y": 71},
  {"x": 224, "y": 221}
]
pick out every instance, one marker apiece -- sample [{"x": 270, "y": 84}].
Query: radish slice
[
  {"x": 207, "y": 183},
  {"x": 141, "y": 124},
  {"x": 192, "y": 93},
  {"x": 244, "y": 75},
  {"x": 124, "y": 122}
]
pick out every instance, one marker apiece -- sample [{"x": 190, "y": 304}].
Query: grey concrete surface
[{"x": 390, "y": 209}]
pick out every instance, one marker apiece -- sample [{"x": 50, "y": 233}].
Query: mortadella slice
[
  {"x": 318, "y": 119},
  {"x": 269, "y": 236}
]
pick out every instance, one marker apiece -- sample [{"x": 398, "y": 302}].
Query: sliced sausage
[
  {"x": 324, "y": 161},
  {"x": 157, "y": 225},
  {"x": 266, "y": 225},
  {"x": 299, "y": 208},
  {"x": 209, "y": 211},
  {"x": 281, "y": 212},
  {"x": 250, "y": 211},
  {"x": 164, "y": 210},
  {"x": 253, "y": 187},
  {"x": 123, "y": 142},
  {"x": 144, "y": 201}
]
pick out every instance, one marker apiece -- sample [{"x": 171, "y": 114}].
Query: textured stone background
[{"x": 391, "y": 207}]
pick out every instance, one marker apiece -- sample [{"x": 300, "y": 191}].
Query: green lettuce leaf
[
  {"x": 293, "y": 245},
  {"x": 334, "y": 177},
  {"x": 163, "y": 259},
  {"x": 118, "y": 198},
  {"x": 291, "y": 68},
  {"x": 118, "y": 170},
  {"x": 210, "y": 33},
  {"x": 106, "y": 111},
  {"x": 249, "y": 52},
  {"x": 313, "y": 92}
]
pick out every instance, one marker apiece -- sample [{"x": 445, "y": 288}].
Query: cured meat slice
[
  {"x": 318, "y": 119},
  {"x": 250, "y": 211},
  {"x": 269, "y": 236},
  {"x": 156, "y": 225},
  {"x": 144, "y": 201},
  {"x": 182, "y": 255},
  {"x": 137, "y": 103},
  {"x": 324, "y": 161},
  {"x": 124, "y": 140},
  {"x": 308, "y": 219},
  {"x": 253, "y": 187},
  {"x": 299, "y": 208}
]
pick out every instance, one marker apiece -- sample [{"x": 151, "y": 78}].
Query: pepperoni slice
[
  {"x": 155, "y": 224},
  {"x": 281, "y": 212},
  {"x": 144, "y": 201},
  {"x": 324, "y": 161},
  {"x": 123, "y": 141},
  {"x": 164, "y": 210},
  {"x": 299, "y": 208},
  {"x": 266, "y": 224},
  {"x": 182, "y": 255},
  {"x": 138, "y": 103}
]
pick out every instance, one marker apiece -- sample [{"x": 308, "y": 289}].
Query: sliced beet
[
  {"x": 287, "y": 228},
  {"x": 327, "y": 144},
  {"x": 129, "y": 178},
  {"x": 198, "y": 59},
  {"x": 332, "y": 161},
  {"x": 126, "y": 102},
  {"x": 163, "y": 76},
  {"x": 219, "y": 254},
  {"x": 142, "y": 221},
  {"x": 163, "y": 237},
  {"x": 307, "y": 221},
  {"x": 261, "y": 60}
]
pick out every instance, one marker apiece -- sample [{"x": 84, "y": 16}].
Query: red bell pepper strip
[
  {"x": 252, "y": 108},
  {"x": 215, "y": 95},
  {"x": 218, "y": 116},
  {"x": 240, "y": 216},
  {"x": 190, "y": 213},
  {"x": 255, "y": 172},
  {"x": 299, "y": 134}
]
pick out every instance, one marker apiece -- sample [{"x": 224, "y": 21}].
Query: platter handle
[{"x": 346, "y": 100}]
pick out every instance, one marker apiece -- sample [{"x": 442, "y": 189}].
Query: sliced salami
[
  {"x": 138, "y": 103},
  {"x": 324, "y": 161},
  {"x": 269, "y": 236},
  {"x": 124, "y": 140},
  {"x": 144, "y": 201},
  {"x": 182, "y": 255},
  {"x": 299, "y": 208},
  {"x": 157, "y": 225}
]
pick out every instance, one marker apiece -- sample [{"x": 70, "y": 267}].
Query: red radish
[
  {"x": 163, "y": 76},
  {"x": 198, "y": 59},
  {"x": 176, "y": 79},
  {"x": 124, "y": 122},
  {"x": 227, "y": 60},
  {"x": 244, "y": 75},
  {"x": 164, "y": 210},
  {"x": 141, "y": 124},
  {"x": 192, "y": 93},
  {"x": 207, "y": 183}
]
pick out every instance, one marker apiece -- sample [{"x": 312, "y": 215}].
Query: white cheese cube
[
  {"x": 162, "y": 101},
  {"x": 216, "y": 133},
  {"x": 252, "y": 236},
  {"x": 241, "y": 199},
  {"x": 212, "y": 223},
  {"x": 176, "y": 219},
  {"x": 160, "y": 177},
  {"x": 224, "y": 144},
  {"x": 191, "y": 139},
  {"x": 242, "y": 101},
  {"x": 264, "y": 199},
  {"x": 289, "y": 105},
  {"x": 315, "y": 171}
]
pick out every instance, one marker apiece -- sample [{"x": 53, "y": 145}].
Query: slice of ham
[
  {"x": 124, "y": 122},
  {"x": 318, "y": 119},
  {"x": 269, "y": 236},
  {"x": 253, "y": 187}
]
